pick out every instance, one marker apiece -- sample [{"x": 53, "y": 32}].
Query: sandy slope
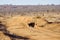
[{"x": 42, "y": 30}]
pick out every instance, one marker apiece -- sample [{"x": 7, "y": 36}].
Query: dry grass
[
  {"x": 42, "y": 30},
  {"x": 4, "y": 37}
]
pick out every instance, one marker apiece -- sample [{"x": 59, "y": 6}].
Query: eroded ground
[{"x": 18, "y": 27}]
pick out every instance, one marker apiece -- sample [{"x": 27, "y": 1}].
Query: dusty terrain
[
  {"x": 30, "y": 22},
  {"x": 30, "y": 27}
]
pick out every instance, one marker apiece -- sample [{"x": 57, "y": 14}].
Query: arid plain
[{"x": 30, "y": 24}]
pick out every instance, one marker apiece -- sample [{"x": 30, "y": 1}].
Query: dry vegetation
[{"x": 31, "y": 25}]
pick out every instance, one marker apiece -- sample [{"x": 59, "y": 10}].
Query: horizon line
[{"x": 29, "y": 4}]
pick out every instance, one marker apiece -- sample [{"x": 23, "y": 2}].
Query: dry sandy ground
[{"x": 32, "y": 27}]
